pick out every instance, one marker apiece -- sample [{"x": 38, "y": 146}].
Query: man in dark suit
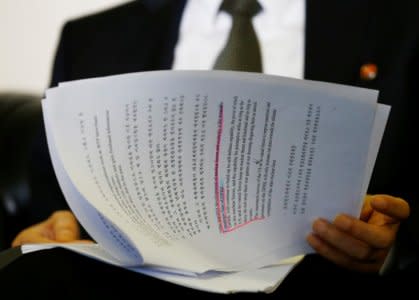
[{"x": 364, "y": 43}]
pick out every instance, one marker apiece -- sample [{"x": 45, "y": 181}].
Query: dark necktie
[{"x": 242, "y": 51}]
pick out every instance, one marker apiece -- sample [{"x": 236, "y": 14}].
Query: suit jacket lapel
[
  {"x": 335, "y": 36},
  {"x": 169, "y": 14}
]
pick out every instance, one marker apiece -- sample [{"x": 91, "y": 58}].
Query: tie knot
[{"x": 248, "y": 8}]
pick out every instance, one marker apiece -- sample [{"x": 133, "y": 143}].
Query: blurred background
[
  {"x": 28, "y": 36},
  {"x": 29, "y": 32}
]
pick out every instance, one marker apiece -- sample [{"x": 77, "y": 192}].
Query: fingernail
[
  {"x": 320, "y": 226},
  {"x": 379, "y": 203},
  {"x": 343, "y": 222}
]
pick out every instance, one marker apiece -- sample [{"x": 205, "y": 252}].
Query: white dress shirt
[{"x": 280, "y": 27}]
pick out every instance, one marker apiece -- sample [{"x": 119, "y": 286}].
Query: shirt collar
[{"x": 215, "y": 5}]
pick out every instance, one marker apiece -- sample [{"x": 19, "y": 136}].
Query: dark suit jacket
[{"x": 341, "y": 36}]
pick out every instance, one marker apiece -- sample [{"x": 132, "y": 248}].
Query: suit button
[{"x": 368, "y": 71}]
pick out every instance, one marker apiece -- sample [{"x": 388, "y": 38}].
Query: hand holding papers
[{"x": 190, "y": 176}]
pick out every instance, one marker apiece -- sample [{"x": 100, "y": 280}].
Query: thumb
[
  {"x": 395, "y": 208},
  {"x": 65, "y": 226}
]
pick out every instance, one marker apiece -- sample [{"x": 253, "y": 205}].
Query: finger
[
  {"x": 366, "y": 208},
  {"x": 84, "y": 242},
  {"x": 394, "y": 207},
  {"x": 38, "y": 233},
  {"x": 339, "y": 258},
  {"x": 374, "y": 235},
  {"x": 29, "y": 238},
  {"x": 65, "y": 226},
  {"x": 342, "y": 241}
]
